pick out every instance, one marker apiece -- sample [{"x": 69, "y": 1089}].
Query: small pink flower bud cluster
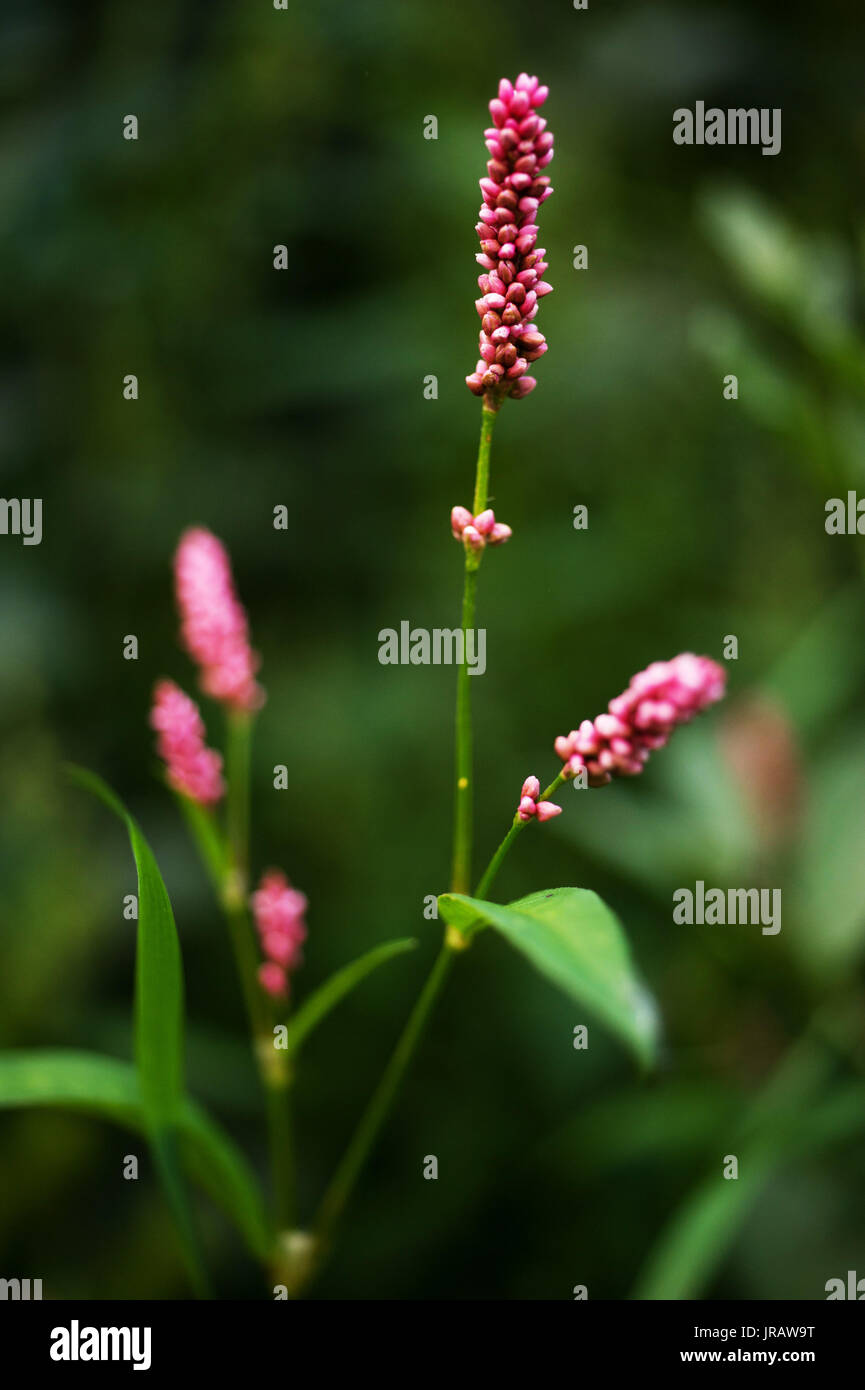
[
  {"x": 478, "y": 531},
  {"x": 191, "y": 768},
  {"x": 618, "y": 743},
  {"x": 213, "y": 623},
  {"x": 530, "y": 806},
  {"x": 278, "y": 911},
  {"x": 513, "y": 265}
]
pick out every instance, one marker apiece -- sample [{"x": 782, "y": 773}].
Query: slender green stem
[
  {"x": 270, "y": 1062},
  {"x": 282, "y": 1151},
  {"x": 463, "y": 797},
  {"x": 237, "y": 805},
  {"x": 364, "y": 1137},
  {"x": 208, "y": 837},
  {"x": 496, "y": 862},
  {"x": 482, "y": 471},
  {"x": 463, "y": 770}
]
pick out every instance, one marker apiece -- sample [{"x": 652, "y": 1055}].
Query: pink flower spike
[
  {"x": 190, "y": 768},
  {"x": 213, "y": 623},
  {"x": 546, "y": 810},
  {"x": 513, "y": 190},
  {"x": 638, "y": 722}
]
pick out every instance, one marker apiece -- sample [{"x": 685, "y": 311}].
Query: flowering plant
[{"x": 567, "y": 933}]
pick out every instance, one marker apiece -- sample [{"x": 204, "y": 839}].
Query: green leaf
[
  {"x": 328, "y": 995},
  {"x": 158, "y": 1020},
  {"x": 105, "y": 1087},
  {"x": 573, "y": 938},
  {"x": 223, "y": 1172},
  {"x": 702, "y": 1230},
  {"x": 74, "y": 1080},
  {"x": 158, "y": 973}
]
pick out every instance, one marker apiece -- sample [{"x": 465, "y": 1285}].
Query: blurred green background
[{"x": 305, "y": 388}]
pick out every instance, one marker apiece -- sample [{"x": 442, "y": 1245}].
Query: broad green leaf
[
  {"x": 103, "y": 1086},
  {"x": 573, "y": 938},
  {"x": 328, "y": 995}
]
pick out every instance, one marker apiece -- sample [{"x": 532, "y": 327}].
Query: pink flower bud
[
  {"x": 532, "y": 788},
  {"x": 461, "y": 517},
  {"x": 547, "y": 809},
  {"x": 273, "y": 980}
]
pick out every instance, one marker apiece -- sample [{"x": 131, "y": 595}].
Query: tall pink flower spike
[
  {"x": 513, "y": 265},
  {"x": 214, "y": 629},
  {"x": 618, "y": 743},
  {"x": 278, "y": 911},
  {"x": 478, "y": 531},
  {"x": 530, "y": 806},
  {"x": 191, "y": 768}
]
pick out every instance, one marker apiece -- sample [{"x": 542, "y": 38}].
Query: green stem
[
  {"x": 498, "y": 858},
  {"x": 281, "y": 1150},
  {"x": 463, "y": 771},
  {"x": 346, "y": 1176},
  {"x": 270, "y": 1062},
  {"x": 237, "y": 803},
  {"x": 482, "y": 470}
]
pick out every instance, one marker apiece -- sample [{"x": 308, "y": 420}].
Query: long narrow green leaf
[
  {"x": 328, "y": 995},
  {"x": 158, "y": 972},
  {"x": 158, "y": 1018},
  {"x": 107, "y": 1088}
]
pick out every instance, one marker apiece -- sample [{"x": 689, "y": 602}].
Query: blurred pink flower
[
  {"x": 278, "y": 911},
  {"x": 191, "y": 768},
  {"x": 273, "y": 980},
  {"x": 214, "y": 629}
]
